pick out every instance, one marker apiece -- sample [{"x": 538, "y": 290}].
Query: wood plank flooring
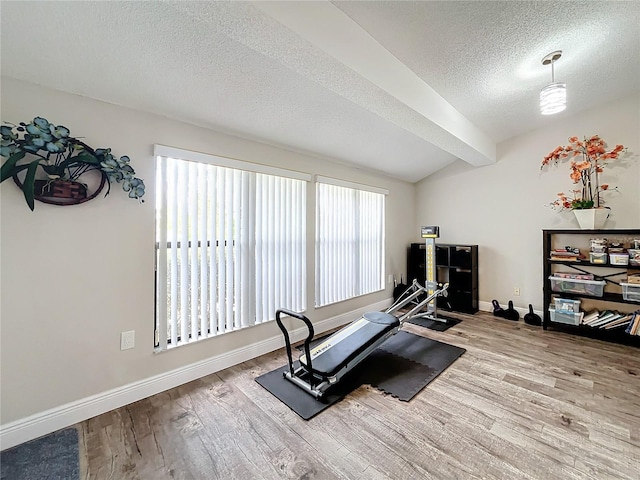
[{"x": 519, "y": 404}]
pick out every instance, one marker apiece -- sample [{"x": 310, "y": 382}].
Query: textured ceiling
[
  {"x": 403, "y": 88},
  {"x": 485, "y": 57}
]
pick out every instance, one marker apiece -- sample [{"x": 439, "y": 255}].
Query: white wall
[
  {"x": 74, "y": 277},
  {"x": 501, "y": 207}
]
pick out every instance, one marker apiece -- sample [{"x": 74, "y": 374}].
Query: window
[
  {"x": 230, "y": 244},
  {"x": 349, "y": 240}
]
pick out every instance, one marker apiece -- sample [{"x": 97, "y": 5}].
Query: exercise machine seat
[{"x": 334, "y": 353}]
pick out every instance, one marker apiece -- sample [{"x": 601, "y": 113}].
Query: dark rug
[
  {"x": 402, "y": 366},
  {"x": 52, "y": 457},
  {"x": 300, "y": 402},
  {"x": 434, "y": 324}
]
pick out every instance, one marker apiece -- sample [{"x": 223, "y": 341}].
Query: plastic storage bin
[
  {"x": 619, "y": 258},
  {"x": 634, "y": 257},
  {"x": 593, "y": 288},
  {"x": 567, "y": 305},
  {"x": 595, "y": 257},
  {"x": 599, "y": 244},
  {"x": 630, "y": 292},
  {"x": 563, "y": 316}
]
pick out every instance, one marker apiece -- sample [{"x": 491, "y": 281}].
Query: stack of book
[
  {"x": 611, "y": 320},
  {"x": 565, "y": 255}
]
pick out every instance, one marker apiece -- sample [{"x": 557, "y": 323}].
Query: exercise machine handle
[{"x": 287, "y": 341}]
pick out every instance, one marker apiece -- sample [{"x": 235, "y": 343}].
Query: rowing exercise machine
[{"x": 324, "y": 365}]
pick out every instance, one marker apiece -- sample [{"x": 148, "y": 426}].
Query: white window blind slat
[
  {"x": 282, "y": 221},
  {"x": 172, "y": 213},
  {"x": 259, "y": 251},
  {"x": 250, "y": 255},
  {"x": 301, "y": 231},
  {"x": 271, "y": 236},
  {"x": 194, "y": 275},
  {"x": 161, "y": 232},
  {"x": 203, "y": 251},
  {"x": 228, "y": 251},
  {"x": 287, "y": 246},
  {"x": 222, "y": 250},
  {"x": 246, "y": 317},
  {"x": 212, "y": 236},
  {"x": 236, "y": 247},
  {"x": 277, "y": 275},
  {"x": 296, "y": 267},
  {"x": 183, "y": 265}
]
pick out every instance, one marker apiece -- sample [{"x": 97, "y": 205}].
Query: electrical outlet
[
  {"x": 390, "y": 279},
  {"x": 516, "y": 291},
  {"x": 127, "y": 340}
]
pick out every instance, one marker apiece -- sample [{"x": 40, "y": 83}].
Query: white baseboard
[
  {"x": 42, "y": 423},
  {"x": 485, "y": 306}
]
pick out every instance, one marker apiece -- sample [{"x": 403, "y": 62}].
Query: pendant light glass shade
[{"x": 553, "y": 98}]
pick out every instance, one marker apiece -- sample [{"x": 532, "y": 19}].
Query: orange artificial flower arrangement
[{"x": 584, "y": 171}]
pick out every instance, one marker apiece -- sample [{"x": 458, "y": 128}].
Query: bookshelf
[
  {"x": 611, "y": 274},
  {"x": 456, "y": 265}
]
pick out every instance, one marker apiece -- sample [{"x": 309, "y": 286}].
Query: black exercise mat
[
  {"x": 402, "y": 366},
  {"x": 300, "y": 402},
  {"x": 395, "y": 375},
  {"x": 53, "y": 456},
  {"x": 436, "y": 355},
  {"x": 434, "y": 324}
]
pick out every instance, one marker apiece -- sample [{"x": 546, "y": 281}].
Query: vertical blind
[
  {"x": 230, "y": 248},
  {"x": 349, "y": 242}
]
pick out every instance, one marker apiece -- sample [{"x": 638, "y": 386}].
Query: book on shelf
[
  {"x": 589, "y": 316},
  {"x": 565, "y": 258},
  {"x": 620, "y": 323},
  {"x": 564, "y": 255},
  {"x": 633, "y": 328},
  {"x": 563, "y": 251}
]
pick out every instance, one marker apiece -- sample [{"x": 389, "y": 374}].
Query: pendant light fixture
[{"x": 553, "y": 97}]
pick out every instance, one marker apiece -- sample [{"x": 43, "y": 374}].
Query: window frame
[
  {"x": 162, "y": 320},
  {"x": 320, "y": 298}
]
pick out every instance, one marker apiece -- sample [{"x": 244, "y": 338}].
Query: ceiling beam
[{"x": 328, "y": 28}]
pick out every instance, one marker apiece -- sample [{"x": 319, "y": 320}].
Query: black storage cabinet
[{"x": 455, "y": 264}]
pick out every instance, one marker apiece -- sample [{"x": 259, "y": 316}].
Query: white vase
[{"x": 592, "y": 218}]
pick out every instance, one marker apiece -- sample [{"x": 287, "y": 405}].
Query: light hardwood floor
[{"x": 519, "y": 404}]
